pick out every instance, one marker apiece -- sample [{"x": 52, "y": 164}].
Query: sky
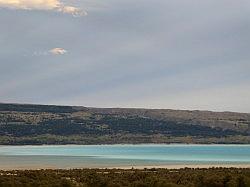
[{"x": 175, "y": 54}]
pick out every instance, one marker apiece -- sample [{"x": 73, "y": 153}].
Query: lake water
[{"x": 93, "y": 156}]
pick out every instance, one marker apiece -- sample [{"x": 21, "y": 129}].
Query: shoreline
[
  {"x": 139, "y": 167},
  {"x": 185, "y": 166},
  {"x": 136, "y": 144}
]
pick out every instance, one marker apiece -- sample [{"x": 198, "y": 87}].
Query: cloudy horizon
[{"x": 170, "y": 54}]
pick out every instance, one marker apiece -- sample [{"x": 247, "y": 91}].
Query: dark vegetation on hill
[
  {"x": 47, "y": 124},
  {"x": 214, "y": 177}
]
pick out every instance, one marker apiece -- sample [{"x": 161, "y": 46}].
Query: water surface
[{"x": 91, "y": 156}]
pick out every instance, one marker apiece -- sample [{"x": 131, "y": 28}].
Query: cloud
[
  {"x": 58, "y": 51},
  {"x": 54, "y": 51},
  {"x": 76, "y": 12},
  {"x": 54, "y": 5}
]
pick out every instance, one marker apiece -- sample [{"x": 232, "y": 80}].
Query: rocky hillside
[{"x": 48, "y": 124}]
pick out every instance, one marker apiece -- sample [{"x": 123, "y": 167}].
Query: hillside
[{"x": 48, "y": 124}]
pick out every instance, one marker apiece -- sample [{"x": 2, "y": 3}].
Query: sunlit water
[{"x": 80, "y": 156}]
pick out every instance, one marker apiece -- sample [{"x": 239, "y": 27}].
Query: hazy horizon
[{"x": 161, "y": 54}]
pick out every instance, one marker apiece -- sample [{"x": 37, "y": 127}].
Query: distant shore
[
  {"x": 186, "y": 166},
  {"x": 175, "y": 166},
  {"x": 127, "y": 144}
]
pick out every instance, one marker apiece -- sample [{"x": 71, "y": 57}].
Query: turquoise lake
[{"x": 92, "y": 156}]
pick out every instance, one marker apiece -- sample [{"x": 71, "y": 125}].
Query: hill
[{"x": 22, "y": 124}]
